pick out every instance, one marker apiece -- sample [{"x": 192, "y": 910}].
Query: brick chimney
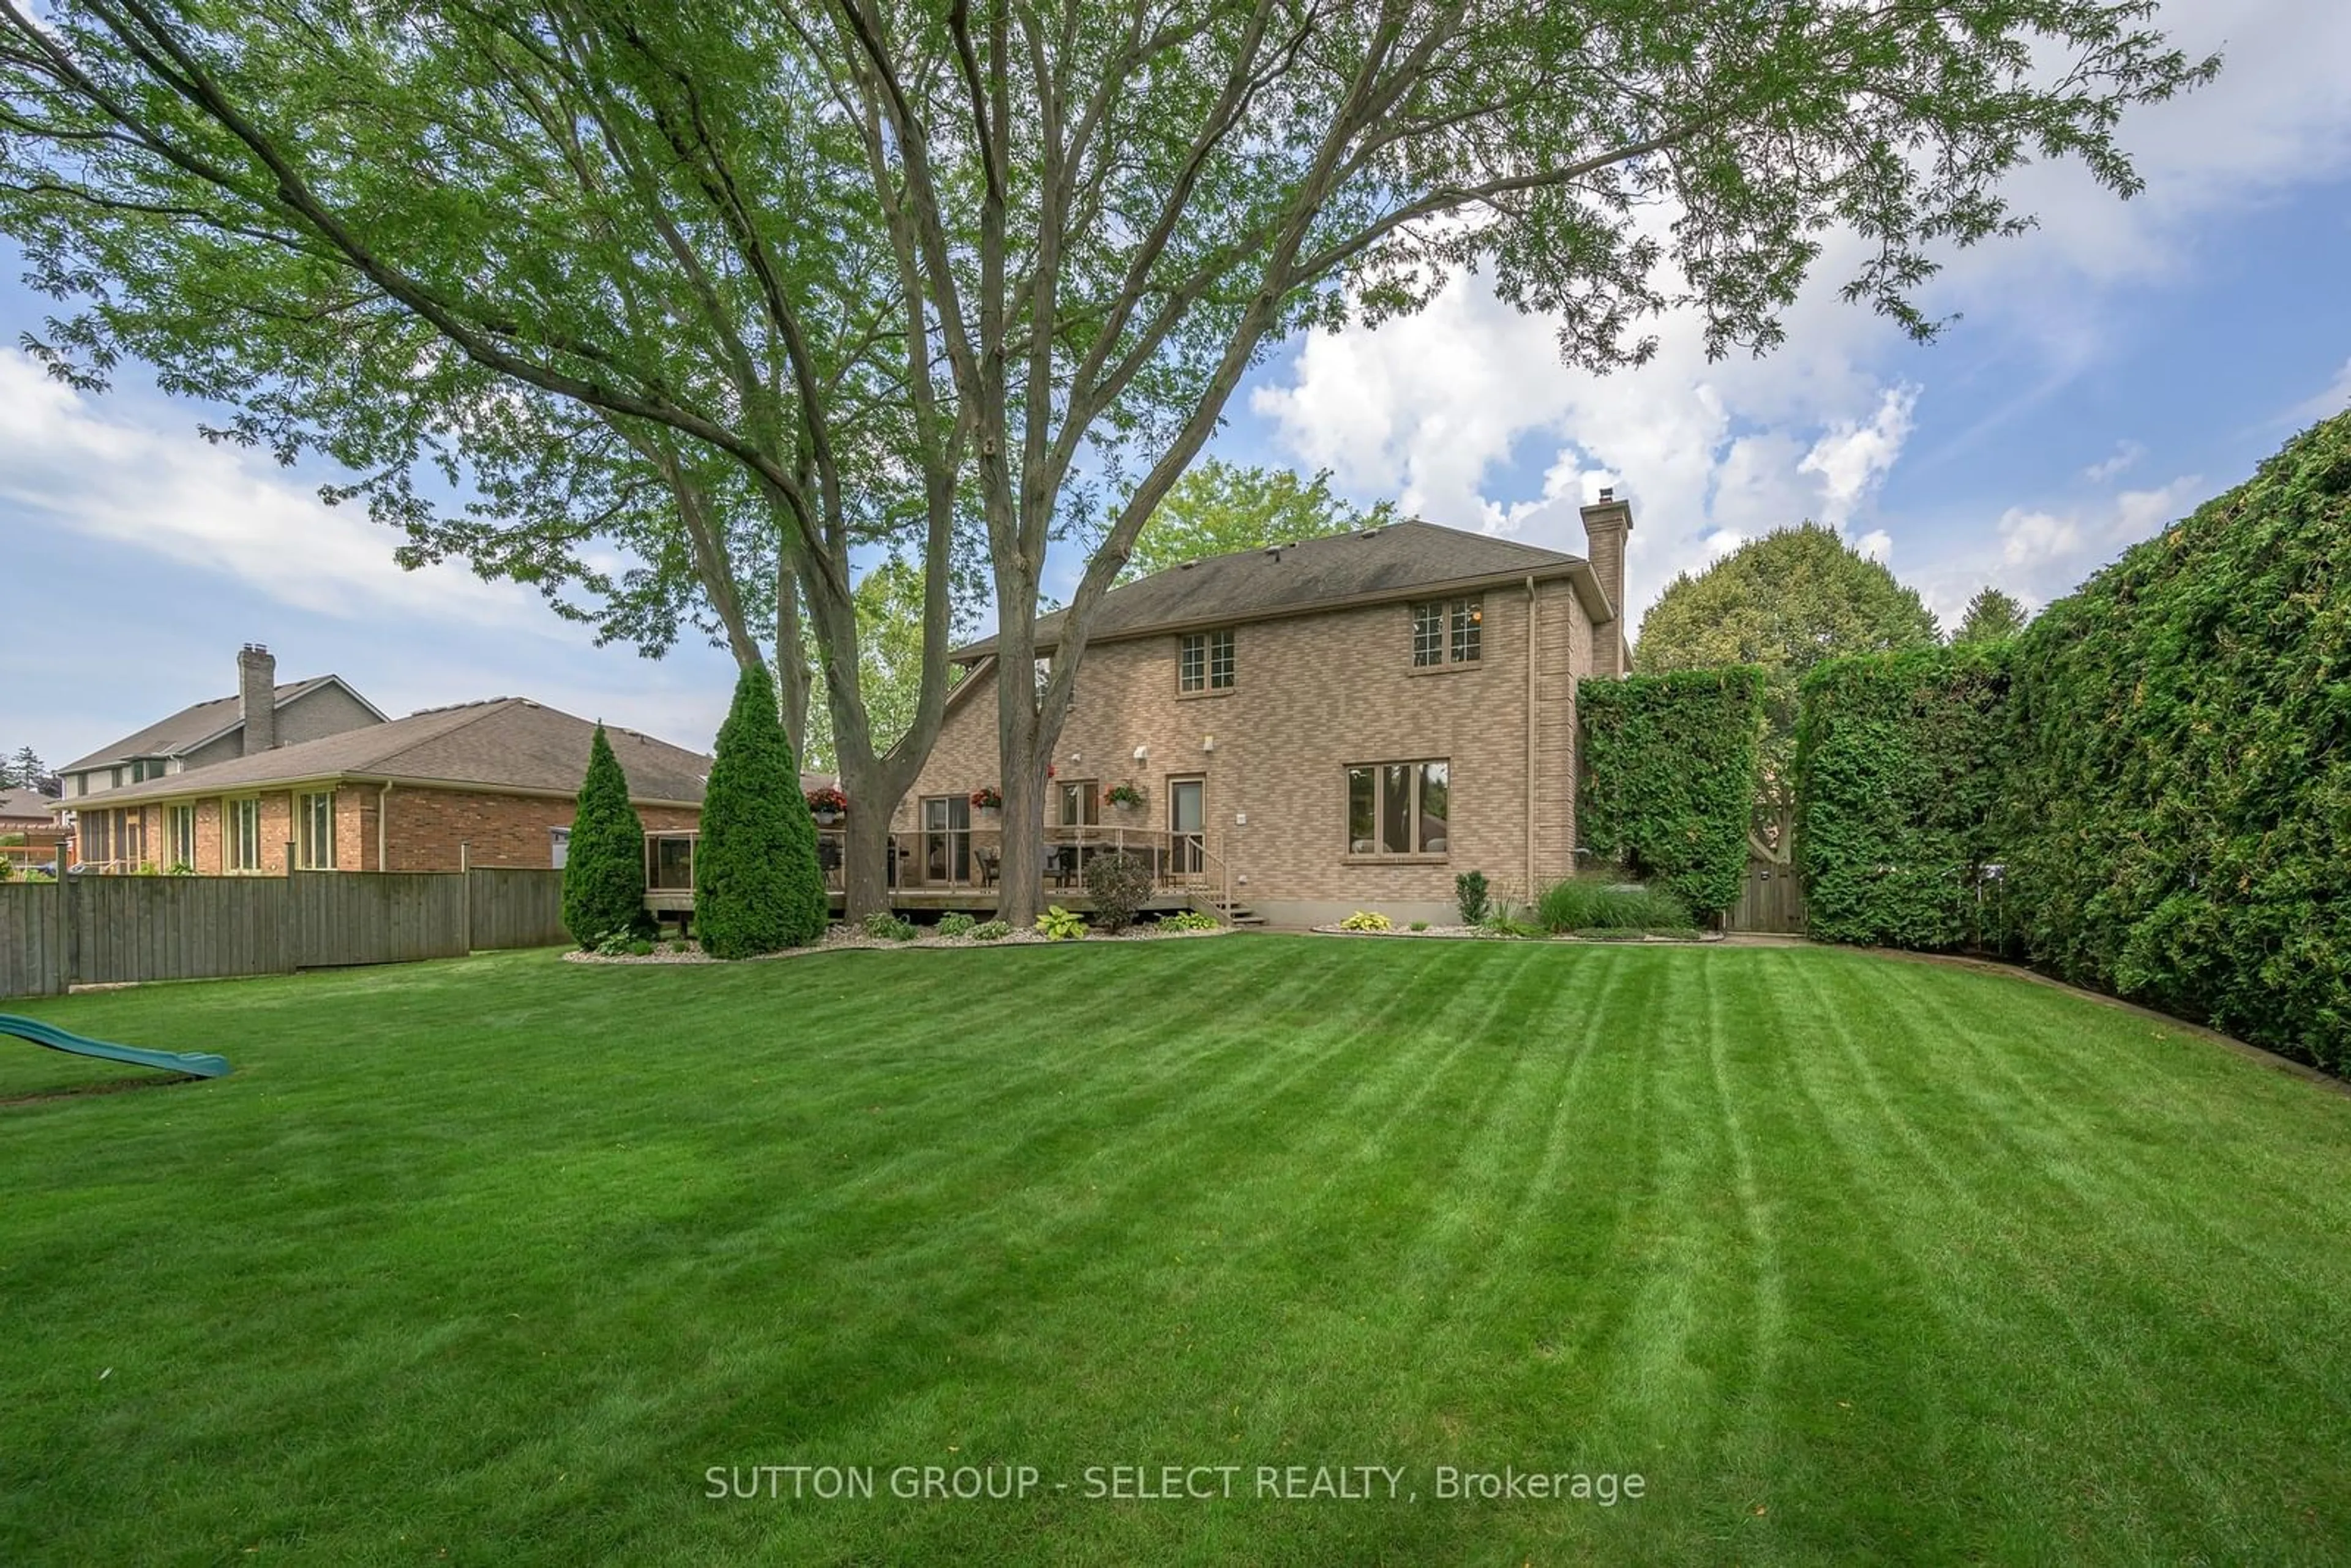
[
  {"x": 1607, "y": 524},
  {"x": 256, "y": 697}
]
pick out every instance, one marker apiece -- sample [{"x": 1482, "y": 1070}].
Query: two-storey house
[{"x": 1343, "y": 723}]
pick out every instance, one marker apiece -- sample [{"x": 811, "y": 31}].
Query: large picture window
[
  {"x": 1205, "y": 664},
  {"x": 241, "y": 831},
  {"x": 314, "y": 817},
  {"x": 1399, "y": 808},
  {"x": 1447, "y": 631}
]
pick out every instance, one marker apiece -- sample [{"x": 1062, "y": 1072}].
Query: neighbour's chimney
[
  {"x": 256, "y": 697},
  {"x": 1607, "y": 524}
]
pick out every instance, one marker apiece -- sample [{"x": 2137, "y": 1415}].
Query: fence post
[
  {"x": 68, "y": 948},
  {"x": 466, "y": 870}
]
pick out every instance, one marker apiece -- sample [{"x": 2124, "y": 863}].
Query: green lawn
[{"x": 491, "y": 1261}]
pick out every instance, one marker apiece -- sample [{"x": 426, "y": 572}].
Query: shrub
[
  {"x": 1061, "y": 926},
  {"x": 1591, "y": 904},
  {"x": 1189, "y": 920},
  {"x": 756, "y": 884},
  {"x": 1502, "y": 922},
  {"x": 1363, "y": 920},
  {"x": 1420, "y": 925},
  {"x": 1670, "y": 776},
  {"x": 613, "y": 943},
  {"x": 955, "y": 923},
  {"x": 604, "y": 869},
  {"x": 990, "y": 931},
  {"x": 1899, "y": 779},
  {"x": 885, "y": 927},
  {"x": 1472, "y": 896},
  {"x": 1119, "y": 883}
]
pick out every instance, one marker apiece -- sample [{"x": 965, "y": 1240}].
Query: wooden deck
[{"x": 669, "y": 867}]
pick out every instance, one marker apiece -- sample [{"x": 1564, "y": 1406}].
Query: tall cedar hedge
[
  {"x": 1899, "y": 786},
  {"x": 1669, "y": 775},
  {"x": 2167, "y": 782},
  {"x": 2182, "y": 795},
  {"x": 756, "y": 884},
  {"x": 604, "y": 868}
]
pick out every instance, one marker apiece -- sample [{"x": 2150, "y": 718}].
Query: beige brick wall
[{"x": 1313, "y": 695}]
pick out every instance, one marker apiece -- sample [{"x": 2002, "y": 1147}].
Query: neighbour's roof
[
  {"x": 25, "y": 806},
  {"x": 506, "y": 742},
  {"x": 1255, "y": 584},
  {"x": 199, "y": 722}
]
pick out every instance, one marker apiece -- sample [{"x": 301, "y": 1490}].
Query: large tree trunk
[{"x": 865, "y": 862}]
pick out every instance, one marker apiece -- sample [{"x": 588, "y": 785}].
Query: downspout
[
  {"x": 382, "y": 809},
  {"x": 1532, "y": 640}
]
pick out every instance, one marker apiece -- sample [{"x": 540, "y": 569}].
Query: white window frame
[
  {"x": 308, "y": 839},
  {"x": 241, "y": 833}
]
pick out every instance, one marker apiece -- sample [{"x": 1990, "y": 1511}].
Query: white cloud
[
  {"x": 2126, "y": 455},
  {"x": 1877, "y": 545},
  {"x": 1854, "y": 459},
  {"x": 2029, "y": 538},
  {"x": 2334, "y": 400},
  {"x": 76, "y": 461}
]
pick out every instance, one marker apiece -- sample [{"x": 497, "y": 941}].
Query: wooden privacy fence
[{"x": 96, "y": 930}]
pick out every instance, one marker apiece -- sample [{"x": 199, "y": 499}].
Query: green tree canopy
[
  {"x": 894, "y": 257},
  {"x": 1991, "y": 615},
  {"x": 1218, "y": 507},
  {"x": 1785, "y": 602},
  {"x": 604, "y": 866},
  {"x": 23, "y": 770}
]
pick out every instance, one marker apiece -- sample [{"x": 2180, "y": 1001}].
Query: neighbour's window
[
  {"x": 315, "y": 832},
  {"x": 1399, "y": 808},
  {"x": 242, "y": 821},
  {"x": 1207, "y": 663},
  {"x": 183, "y": 828},
  {"x": 97, "y": 836},
  {"x": 1080, "y": 802},
  {"x": 114, "y": 777},
  {"x": 1448, "y": 631}
]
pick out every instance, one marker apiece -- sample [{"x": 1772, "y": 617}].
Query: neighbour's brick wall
[
  {"x": 424, "y": 827},
  {"x": 208, "y": 837},
  {"x": 1313, "y": 695}
]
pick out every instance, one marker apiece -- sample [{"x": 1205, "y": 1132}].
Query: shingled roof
[
  {"x": 504, "y": 743},
  {"x": 199, "y": 722},
  {"x": 1261, "y": 584}
]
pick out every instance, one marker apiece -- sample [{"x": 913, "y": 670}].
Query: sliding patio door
[{"x": 947, "y": 840}]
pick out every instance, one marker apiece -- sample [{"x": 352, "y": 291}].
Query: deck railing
[{"x": 957, "y": 859}]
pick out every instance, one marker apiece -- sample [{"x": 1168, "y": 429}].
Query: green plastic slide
[{"x": 197, "y": 1063}]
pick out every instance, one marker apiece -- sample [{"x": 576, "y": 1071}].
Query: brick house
[
  {"x": 492, "y": 782},
  {"x": 260, "y": 717},
  {"x": 1340, "y": 725}
]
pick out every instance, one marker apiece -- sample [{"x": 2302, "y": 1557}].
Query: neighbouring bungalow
[
  {"x": 1304, "y": 731},
  {"x": 486, "y": 784}
]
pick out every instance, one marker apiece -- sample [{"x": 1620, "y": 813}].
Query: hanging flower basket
[
  {"x": 1125, "y": 795},
  {"x": 987, "y": 798},
  {"x": 828, "y": 805}
]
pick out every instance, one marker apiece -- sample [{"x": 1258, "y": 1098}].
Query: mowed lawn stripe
[{"x": 1849, "y": 1257}]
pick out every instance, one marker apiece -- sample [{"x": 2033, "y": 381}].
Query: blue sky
[{"x": 2105, "y": 373}]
